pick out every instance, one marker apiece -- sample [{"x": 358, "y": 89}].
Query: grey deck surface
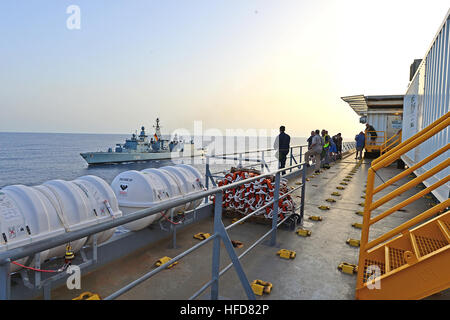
[{"x": 312, "y": 275}]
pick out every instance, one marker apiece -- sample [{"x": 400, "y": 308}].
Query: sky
[{"x": 231, "y": 64}]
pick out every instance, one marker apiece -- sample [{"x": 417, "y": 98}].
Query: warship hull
[{"x": 93, "y": 158}]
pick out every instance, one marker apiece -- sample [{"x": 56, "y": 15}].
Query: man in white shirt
[{"x": 315, "y": 150}]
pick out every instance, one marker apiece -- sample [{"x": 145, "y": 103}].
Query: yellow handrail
[
  {"x": 402, "y": 148},
  {"x": 386, "y": 145},
  {"x": 385, "y": 160},
  {"x": 375, "y": 141},
  {"x": 414, "y": 137},
  {"x": 412, "y": 169}
]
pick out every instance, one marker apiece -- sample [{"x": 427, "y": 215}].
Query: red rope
[
  {"x": 34, "y": 269},
  {"x": 175, "y": 223}
]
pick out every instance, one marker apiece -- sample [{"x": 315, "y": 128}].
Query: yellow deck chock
[
  {"x": 353, "y": 242},
  {"x": 330, "y": 200},
  {"x": 343, "y": 184},
  {"x": 348, "y": 268},
  {"x": 237, "y": 244},
  {"x": 315, "y": 218},
  {"x": 304, "y": 232},
  {"x": 236, "y": 220},
  {"x": 363, "y": 197},
  {"x": 164, "y": 260},
  {"x": 359, "y": 213},
  {"x": 336, "y": 194},
  {"x": 324, "y": 208},
  {"x": 347, "y": 180},
  {"x": 287, "y": 254},
  {"x": 202, "y": 236},
  {"x": 260, "y": 287},
  {"x": 340, "y": 188},
  {"x": 362, "y": 204},
  {"x": 349, "y": 177},
  {"x": 357, "y": 225},
  {"x": 88, "y": 296}
]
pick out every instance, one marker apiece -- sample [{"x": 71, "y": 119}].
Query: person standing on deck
[
  {"x": 315, "y": 150},
  {"x": 360, "y": 143},
  {"x": 339, "y": 145},
  {"x": 372, "y": 132},
  {"x": 326, "y": 147},
  {"x": 282, "y": 144}
]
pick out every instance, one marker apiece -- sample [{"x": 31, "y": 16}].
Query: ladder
[{"x": 411, "y": 261}]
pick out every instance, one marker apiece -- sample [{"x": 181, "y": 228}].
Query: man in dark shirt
[
  {"x": 282, "y": 143},
  {"x": 372, "y": 132},
  {"x": 310, "y": 139}
]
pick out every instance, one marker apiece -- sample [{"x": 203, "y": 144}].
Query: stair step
[
  {"x": 368, "y": 263},
  {"x": 396, "y": 258},
  {"x": 445, "y": 229},
  {"x": 428, "y": 245}
]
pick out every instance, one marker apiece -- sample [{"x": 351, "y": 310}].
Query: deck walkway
[{"x": 312, "y": 275}]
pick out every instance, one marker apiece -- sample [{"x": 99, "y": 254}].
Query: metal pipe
[
  {"x": 255, "y": 151},
  {"x": 410, "y": 200},
  {"x": 412, "y": 169},
  {"x": 302, "y": 203},
  {"x": 205, "y": 286},
  {"x": 276, "y": 197},
  {"x": 216, "y": 247},
  {"x": 131, "y": 285},
  {"x": 5, "y": 280},
  {"x": 410, "y": 184},
  {"x": 365, "y": 229},
  {"x": 412, "y": 142}
]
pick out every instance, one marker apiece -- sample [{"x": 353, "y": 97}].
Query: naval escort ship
[{"x": 140, "y": 148}]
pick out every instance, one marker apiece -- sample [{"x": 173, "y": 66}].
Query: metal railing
[
  {"x": 385, "y": 160},
  {"x": 375, "y": 143},
  {"x": 260, "y": 160},
  {"x": 391, "y": 142},
  {"x": 220, "y": 233}
]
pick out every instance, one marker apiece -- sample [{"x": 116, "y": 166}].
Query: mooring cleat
[
  {"x": 304, "y": 232},
  {"x": 348, "y": 268},
  {"x": 353, "y": 243},
  {"x": 357, "y": 225},
  {"x": 260, "y": 287},
  {"x": 164, "y": 260},
  {"x": 287, "y": 254},
  {"x": 202, "y": 236}
]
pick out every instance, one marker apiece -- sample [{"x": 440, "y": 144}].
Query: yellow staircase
[{"x": 412, "y": 261}]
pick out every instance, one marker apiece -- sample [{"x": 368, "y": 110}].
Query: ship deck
[{"x": 313, "y": 274}]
